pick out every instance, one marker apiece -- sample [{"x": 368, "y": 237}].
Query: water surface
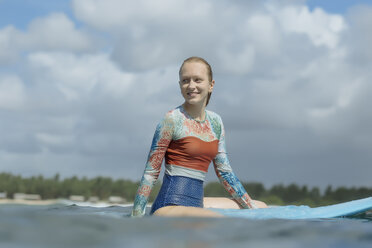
[{"x": 78, "y": 226}]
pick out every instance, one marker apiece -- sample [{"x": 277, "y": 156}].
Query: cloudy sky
[{"x": 83, "y": 84}]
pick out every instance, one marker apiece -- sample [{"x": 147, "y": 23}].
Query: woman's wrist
[{"x": 252, "y": 204}]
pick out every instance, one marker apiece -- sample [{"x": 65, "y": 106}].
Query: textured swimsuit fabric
[
  {"x": 188, "y": 147},
  {"x": 179, "y": 190}
]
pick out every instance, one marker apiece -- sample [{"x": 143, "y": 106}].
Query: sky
[{"x": 83, "y": 84}]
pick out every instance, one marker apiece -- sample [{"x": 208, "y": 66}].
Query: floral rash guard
[{"x": 188, "y": 147}]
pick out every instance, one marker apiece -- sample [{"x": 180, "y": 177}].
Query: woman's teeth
[{"x": 192, "y": 94}]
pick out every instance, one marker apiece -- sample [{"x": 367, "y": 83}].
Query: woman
[{"x": 190, "y": 137}]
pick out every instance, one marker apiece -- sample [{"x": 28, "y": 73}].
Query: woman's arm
[
  {"x": 227, "y": 177},
  {"x": 162, "y": 138}
]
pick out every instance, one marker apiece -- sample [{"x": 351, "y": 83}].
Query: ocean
[{"x": 64, "y": 225}]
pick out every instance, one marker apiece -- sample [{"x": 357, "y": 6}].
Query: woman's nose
[{"x": 191, "y": 84}]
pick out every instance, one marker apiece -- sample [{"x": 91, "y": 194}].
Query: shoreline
[
  {"x": 62, "y": 202},
  {"x": 30, "y": 202}
]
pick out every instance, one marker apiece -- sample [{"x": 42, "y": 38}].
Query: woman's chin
[
  {"x": 195, "y": 101},
  {"x": 192, "y": 102}
]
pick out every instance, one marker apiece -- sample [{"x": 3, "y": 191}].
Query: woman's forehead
[{"x": 194, "y": 69}]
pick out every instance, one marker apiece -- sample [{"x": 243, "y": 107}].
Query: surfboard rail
[{"x": 344, "y": 209}]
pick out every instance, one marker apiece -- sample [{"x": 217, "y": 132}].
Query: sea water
[{"x": 85, "y": 226}]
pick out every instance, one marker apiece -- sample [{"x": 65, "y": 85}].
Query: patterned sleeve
[
  {"x": 227, "y": 177},
  {"x": 162, "y": 138}
]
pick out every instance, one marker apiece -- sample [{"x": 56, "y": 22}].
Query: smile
[{"x": 192, "y": 93}]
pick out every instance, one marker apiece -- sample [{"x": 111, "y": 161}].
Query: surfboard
[{"x": 301, "y": 212}]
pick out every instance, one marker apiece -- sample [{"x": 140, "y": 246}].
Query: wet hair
[{"x": 209, "y": 70}]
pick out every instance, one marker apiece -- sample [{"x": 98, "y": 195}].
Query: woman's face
[{"x": 194, "y": 83}]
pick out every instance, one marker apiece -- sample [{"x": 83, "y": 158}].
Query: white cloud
[
  {"x": 238, "y": 62},
  {"x": 265, "y": 33},
  {"x": 56, "y": 31},
  {"x": 53, "y": 32},
  {"x": 9, "y": 39},
  {"x": 321, "y": 27},
  {"x": 76, "y": 76},
  {"x": 159, "y": 33},
  {"x": 359, "y": 37},
  {"x": 12, "y": 93},
  {"x": 116, "y": 14}
]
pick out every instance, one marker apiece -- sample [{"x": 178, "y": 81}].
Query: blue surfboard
[{"x": 301, "y": 212}]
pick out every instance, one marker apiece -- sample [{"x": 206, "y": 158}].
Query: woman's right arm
[{"x": 162, "y": 137}]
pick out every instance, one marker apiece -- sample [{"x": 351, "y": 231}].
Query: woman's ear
[{"x": 211, "y": 86}]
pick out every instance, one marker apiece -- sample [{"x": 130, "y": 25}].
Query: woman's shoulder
[
  {"x": 216, "y": 122},
  {"x": 213, "y": 116},
  {"x": 173, "y": 112},
  {"x": 172, "y": 115}
]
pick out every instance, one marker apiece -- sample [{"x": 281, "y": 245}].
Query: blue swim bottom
[{"x": 179, "y": 190}]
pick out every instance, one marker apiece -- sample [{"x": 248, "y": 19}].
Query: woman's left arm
[{"x": 227, "y": 177}]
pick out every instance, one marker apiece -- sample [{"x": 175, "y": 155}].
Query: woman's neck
[{"x": 197, "y": 112}]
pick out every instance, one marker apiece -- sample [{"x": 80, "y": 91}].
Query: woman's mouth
[{"x": 192, "y": 93}]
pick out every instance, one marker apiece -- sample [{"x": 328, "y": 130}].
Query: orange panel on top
[{"x": 191, "y": 152}]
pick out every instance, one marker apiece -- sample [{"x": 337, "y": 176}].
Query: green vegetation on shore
[
  {"x": 293, "y": 194},
  {"x": 103, "y": 187}
]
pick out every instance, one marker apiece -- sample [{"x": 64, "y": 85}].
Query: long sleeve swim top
[{"x": 188, "y": 147}]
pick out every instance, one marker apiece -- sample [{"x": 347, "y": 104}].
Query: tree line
[
  {"x": 294, "y": 194},
  {"x": 104, "y": 187}
]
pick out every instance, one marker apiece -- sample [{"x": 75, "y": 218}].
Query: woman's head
[{"x": 195, "y": 72}]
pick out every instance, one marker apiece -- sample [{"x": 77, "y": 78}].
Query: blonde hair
[{"x": 209, "y": 70}]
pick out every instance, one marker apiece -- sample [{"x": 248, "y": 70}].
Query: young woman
[{"x": 189, "y": 137}]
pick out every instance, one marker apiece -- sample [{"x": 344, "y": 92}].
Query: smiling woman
[
  {"x": 190, "y": 137},
  {"x": 199, "y": 72}
]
